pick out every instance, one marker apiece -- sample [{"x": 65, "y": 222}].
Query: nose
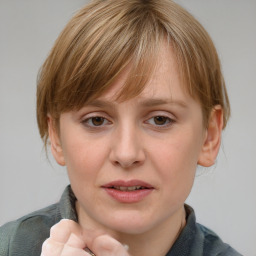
[{"x": 127, "y": 148}]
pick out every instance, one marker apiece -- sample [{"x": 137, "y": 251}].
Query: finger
[
  {"x": 76, "y": 241},
  {"x": 51, "y": 248},
  {"x": 64, "y": 236},
  {"x": 62, "y": 231},
  {"x": 88, "y": 236},
  {"x": 71, "y": 251},
  {"x": 105, "y": 245}
]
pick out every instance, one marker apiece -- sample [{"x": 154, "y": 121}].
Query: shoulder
[
  {"x": 26, "y": 235},
  {"x": 213, "y": 245},
  {"x": 196, "y": 239}
]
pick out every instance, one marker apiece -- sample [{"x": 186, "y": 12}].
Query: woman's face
[{"x": 132, "y": 164}]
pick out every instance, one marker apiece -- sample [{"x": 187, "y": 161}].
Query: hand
[{"x": 67, "y": 238}]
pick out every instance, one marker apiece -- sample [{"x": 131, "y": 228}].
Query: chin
[{"x": 128, "y": 223}]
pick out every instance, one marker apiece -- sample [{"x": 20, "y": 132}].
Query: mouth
[
  {"x": 128, "y": 191},
  {"x": 130, "y": 185},
  {"x": 133, "y": 188}
]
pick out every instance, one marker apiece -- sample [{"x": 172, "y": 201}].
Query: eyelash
[
  {"x": 88, "y": 122},
  {"x": 167, "y": 121}
]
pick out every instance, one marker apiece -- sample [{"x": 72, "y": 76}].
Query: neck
[{"x": 156, "y": 241}]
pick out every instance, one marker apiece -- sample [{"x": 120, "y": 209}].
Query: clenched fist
[{"x": 67, "y": 238}]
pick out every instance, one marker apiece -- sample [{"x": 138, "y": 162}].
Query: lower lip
[{"x": 128, "y": 196}]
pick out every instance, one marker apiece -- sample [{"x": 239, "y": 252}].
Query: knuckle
[
  {"x": 106, "y": 243},
  {"x": 61, "y": 230},
  {"x": 48, "y": 247},
  {"x": 52, "y": 248}
]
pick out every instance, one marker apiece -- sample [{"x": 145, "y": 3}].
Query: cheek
[
  {"x": 176, "y": 162},
  {"x": 177, "y": 155},
  {"x": 83, "y": 159}
]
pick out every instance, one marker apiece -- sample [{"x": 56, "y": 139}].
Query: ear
[
  {"x": 212, "y": 139},
  {"x": 56, "y": 148}
]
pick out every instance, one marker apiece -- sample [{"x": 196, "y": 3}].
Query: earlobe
[
  {"x": 212, "y": 139},
  {"x": 56, "y": 148}
]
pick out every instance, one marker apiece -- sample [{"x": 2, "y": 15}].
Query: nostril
[
  {"x": 127, "y": 164},
  {"x": 116, "y": 163},
  {"x": 126, "y": 157}
]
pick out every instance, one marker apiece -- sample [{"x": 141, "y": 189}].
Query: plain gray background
[{"x": 223, "y": 196}]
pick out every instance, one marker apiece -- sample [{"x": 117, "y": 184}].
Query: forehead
[{"x": 164, "y": 82}]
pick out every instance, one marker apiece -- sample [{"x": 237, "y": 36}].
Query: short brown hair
[{"x": 107, "y": 35}]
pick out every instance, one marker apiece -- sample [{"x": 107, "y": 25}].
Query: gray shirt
[{"x": 25, "y": 236}]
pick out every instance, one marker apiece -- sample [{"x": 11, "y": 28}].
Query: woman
[{"x": 131, "y": 99}]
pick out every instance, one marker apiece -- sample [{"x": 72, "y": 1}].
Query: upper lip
[{"x": 129, "y": 183}]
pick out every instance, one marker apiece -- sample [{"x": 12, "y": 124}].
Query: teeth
[
  {"x": 133, "y": 188},
  {"x": 128, "y": 188}
]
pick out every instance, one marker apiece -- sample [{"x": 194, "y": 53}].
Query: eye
[
  {"x": 95, "y": 121},
  {"x": 160, "y": 121}
]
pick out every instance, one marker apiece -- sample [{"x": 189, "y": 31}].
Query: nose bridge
[{"x": 127, "y": 146}]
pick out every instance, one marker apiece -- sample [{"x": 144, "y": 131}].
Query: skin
[{"x": 157, "y": 137}]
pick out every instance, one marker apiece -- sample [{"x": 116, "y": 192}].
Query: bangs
[
  {"x": 117, "y": 43},
  {"x": 109, "y": 37}
]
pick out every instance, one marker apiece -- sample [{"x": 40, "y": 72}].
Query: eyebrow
[
  {"x": 145, "y": 103},
  {"x": 100, "y": 104},
  {"x": 160, "y": 101}
]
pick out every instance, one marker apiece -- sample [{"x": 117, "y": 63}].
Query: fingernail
[{"x": 126, "y": 246}]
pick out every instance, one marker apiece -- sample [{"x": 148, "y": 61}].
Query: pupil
[
  {"x": 97, "y": 121},
  {"x": 160, "y": 120}
]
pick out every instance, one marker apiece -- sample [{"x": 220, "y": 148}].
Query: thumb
[{"x": 104, "y": 245}]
